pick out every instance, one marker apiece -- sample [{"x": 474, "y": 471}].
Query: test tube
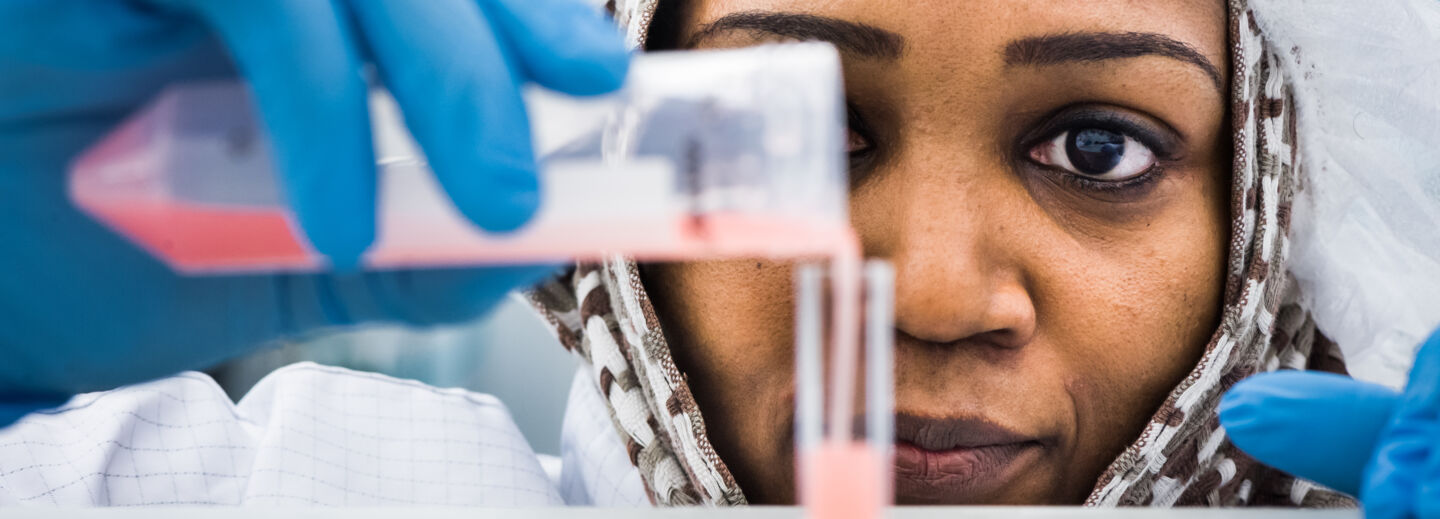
[
  {"x": 844, "y": 464},
  {"x": 880, "y": 359}
]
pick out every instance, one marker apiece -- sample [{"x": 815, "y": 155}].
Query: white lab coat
[{"x": 309, "y": 435}]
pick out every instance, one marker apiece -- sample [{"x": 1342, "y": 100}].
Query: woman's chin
[{"x": 961, "y": 476}]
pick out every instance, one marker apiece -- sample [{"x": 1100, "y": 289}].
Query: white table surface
[{"x": 682, "y": 513}]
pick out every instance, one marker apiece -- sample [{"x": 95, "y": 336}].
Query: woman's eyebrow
[
  {"x": 852, "y": 37},
  {"x": 1099, "y": 46}
]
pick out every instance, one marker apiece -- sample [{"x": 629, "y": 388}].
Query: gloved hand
[
  {"x": 81, "y": 309},
  {"x": 1360, "y": 438}
]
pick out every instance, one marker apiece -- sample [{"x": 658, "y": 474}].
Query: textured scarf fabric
[{"x": 1181, "y": 457}]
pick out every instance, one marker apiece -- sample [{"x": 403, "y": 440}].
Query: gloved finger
[
  {"x": 1285, "y": 419},
  {"x": 303, "y": 66},
  {"x": 564, "y": 45},
  {"x": 1402, "y": 475},
  {"x": 1427, "y": 499},
  {"x": 1424, "y": 418},
  {"x": 460, "y": 94}
]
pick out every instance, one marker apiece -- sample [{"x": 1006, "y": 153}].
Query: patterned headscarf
[{"x": 1182, "y": 456}]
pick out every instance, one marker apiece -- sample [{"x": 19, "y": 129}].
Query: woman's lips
[{"x": 955, "y": 460}]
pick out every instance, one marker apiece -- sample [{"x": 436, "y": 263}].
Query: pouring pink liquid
[{"x": 703, "y": 155}]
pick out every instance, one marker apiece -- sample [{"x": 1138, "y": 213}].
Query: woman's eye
[
  {"x": 1096, "y": 154},
  {"x": 857, "y": 131},
  {"x": 855, "y": 143}
]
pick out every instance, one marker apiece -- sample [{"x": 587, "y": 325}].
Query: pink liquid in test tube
[{"x": 845, "y": 466}]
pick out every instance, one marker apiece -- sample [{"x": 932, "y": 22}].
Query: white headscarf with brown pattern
[{"x": 1181, "y": 457}]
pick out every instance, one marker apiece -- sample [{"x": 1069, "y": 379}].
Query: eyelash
[
  {"x": 1130, "y": 185},
  {"x": 1068, "y": 120},
  {"x": 1074, "y": 120}
]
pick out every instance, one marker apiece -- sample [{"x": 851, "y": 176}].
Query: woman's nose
[
  {"x": 953, "y": 299},
  {"x": 960, "y": 276}
]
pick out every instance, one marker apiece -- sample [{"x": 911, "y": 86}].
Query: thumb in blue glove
[
  {"x": 1319, "y": 426},
  {"x": 1360, "y": 438}
]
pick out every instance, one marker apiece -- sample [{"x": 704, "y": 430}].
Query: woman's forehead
[{"x": 980, "y": 28}]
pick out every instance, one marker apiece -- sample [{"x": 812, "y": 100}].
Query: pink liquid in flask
[{"x": 713, "y": 154}]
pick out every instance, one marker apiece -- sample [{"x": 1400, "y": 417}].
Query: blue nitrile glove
[
  {"x": 81, "y": 309},
  {"x": 1360, "y": 438}
]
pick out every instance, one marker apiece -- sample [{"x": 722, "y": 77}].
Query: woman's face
[{"x": 1050, "y": 180}]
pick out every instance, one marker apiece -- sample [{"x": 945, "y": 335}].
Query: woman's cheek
[
  {"x": 729, "y": 325},
  {"x": 1133, "y": 307}
]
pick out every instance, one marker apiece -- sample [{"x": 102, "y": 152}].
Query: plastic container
[{"x": 703, "y": 154}]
